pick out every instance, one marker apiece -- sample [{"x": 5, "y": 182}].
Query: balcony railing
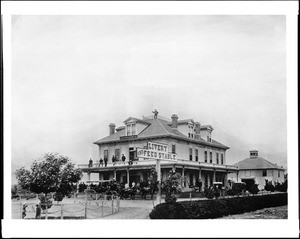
[{"x": 150, "y": 162}]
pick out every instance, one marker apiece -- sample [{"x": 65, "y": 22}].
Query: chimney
[
  {"x": 174, "y": 121},
  {"x": 112, "y": 127},
  {"x": 253, "y": 153},
  {"x": 197, "y": 130}
]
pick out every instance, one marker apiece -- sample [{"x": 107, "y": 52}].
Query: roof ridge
[
  {"x": 272, "y": 164},
  {"x": 163, "y": 126}
]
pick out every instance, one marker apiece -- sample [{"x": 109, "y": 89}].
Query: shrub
[
  {"x": 281, "y": 187},
  {"x": 209, "y": 193},
  {"x": 205, "y": 209},
  {"x": 269, "y": 186},
  {"x": 238, "y": 188},
  {"x": 253, "y": 189},
  {"x": 171, "y": 186}
]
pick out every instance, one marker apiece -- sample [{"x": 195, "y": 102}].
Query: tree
[
  {"x": 52, "y": 173},
  {"x": 153, "y": 183},
  {"x": 171, "y": 186}
]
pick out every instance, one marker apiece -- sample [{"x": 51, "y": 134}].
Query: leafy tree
[
  {"x": 52, "y": 173},
  {"x": 171, "y": 186}
]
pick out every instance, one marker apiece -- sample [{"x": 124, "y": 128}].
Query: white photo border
[{"x": 157, "y": 228}]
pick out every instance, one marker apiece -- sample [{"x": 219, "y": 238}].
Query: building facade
[
  {"x": 259, "y": 169},
  {"x": 192, "y": 151}
]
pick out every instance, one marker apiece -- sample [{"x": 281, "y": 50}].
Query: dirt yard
[{"x": 266, "y": 213}]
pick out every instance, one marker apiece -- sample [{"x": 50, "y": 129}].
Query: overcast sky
[{"x": 73, "y": 75}]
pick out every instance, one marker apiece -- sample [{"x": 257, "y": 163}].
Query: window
[
  {"x": 278, "y": 173},
  {"x": 191, "y": 154},
  {"x": 210, "y": 157},
  {"x": 222, "y": 159},
  {"x": 196, "y": 155},
  {"x": 189, "y": 135},
  {"x": 217, "y": 156},
  {"x": 205, "y": 156},
  {"x": 128, "y": 129},
  {"x": 133, "y": 129},
  {"x": 264, "y": 173},
  {"x": 173, "y": 149},
  {"x": 106, "y": 153},
  {"x": 117, "y": 154}
]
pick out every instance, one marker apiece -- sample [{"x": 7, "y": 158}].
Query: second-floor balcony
[{"x": 152, "y": 163}]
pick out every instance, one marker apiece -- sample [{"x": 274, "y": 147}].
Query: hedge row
[{"x": 205, "y": 209}]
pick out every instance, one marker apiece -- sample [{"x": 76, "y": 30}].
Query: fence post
[
  {"x": 46, "y": 217},
  {"x": 61, "y": 211},
  {"x": 85, "y": 208},
  {"x": 102, "y": 209},
  {"x": 21, "y": 216}
]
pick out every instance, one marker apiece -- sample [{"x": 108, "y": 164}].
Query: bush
[
  {"x": 205, "y": 209},
  {"x": 171, "y": 187},
  {"x": 238, "y": 188},
  {"x": 281, "y": 187},
  {"x": 253, "y": 189},
  {"x": 269, "y": 186},
  {"x": 209, "y": 193}
]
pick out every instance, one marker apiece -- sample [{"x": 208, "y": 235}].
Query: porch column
[
  {"x": 183, "y": 177},
  {"x": 99, "y": 176},
  {"x": 89, "y": 176},
  {"x": 115, "y": 174},
  {"x": 214, "y": 178},
  {"x": 128, "y": 176},
  {"x": 237, "y": 176},
  {"x": 199, "y": 173},
  {"x": 226, "y": 179}
]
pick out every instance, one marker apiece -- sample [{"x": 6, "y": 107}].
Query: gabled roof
[
  {"x": 256, "y": 163},
  {"x": 157, "y": 128},
  {"x": 137, "y": 120}
]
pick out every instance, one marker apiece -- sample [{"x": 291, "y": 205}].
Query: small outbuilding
[{"x": 259, "y": 169}]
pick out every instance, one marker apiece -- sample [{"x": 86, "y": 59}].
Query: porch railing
[{"x": 150, "y": 162}]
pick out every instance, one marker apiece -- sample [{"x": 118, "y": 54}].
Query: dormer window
[
  {"x": 191, "y": 130},
  {"x": 131, "y": 129}
]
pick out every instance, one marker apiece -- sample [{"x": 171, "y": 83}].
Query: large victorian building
[{"x": 188, "y": 147}]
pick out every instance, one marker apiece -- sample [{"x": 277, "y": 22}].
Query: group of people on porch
[{"x": 113, "y": 159}]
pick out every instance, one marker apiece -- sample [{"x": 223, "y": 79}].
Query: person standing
[
  {"x": 101, "y": 162},
  {"x": 113, "y": 159},
  {"x": 199, "y": 184},
  {"x": 38, "y": 212},
  {"x": 123, "y": 158},
  {"x": 105, "y": 160},
  {"x": 90, "y": 163}
]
